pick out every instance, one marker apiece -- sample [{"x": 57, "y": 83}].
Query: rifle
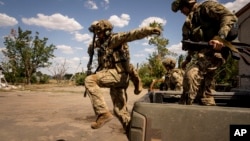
[
  {"x": 236, "y": 48},
  {"x": 89, "y": 65}
]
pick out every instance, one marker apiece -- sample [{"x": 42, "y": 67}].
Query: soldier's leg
[
  {"x": 191, "y": 84},
  {"x": 92, "y": 84},
  {"x": 120, "y": 109},
  {"x": 176, "y": 79},
  {"x": 207, "y": 97},
  {"x": 134, "y": 77},
  {"x": 95, "y": 94}
]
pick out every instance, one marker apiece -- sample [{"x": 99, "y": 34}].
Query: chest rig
[
  {"x": 199, "y": 26},
  {"x": 113, "y": 58}
]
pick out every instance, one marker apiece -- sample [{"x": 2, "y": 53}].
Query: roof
[{"x": 243, "y": 10}]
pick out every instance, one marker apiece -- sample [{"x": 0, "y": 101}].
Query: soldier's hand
[
  {"x": 217, "y": 45},
  {"x": 156, "y": 31}
]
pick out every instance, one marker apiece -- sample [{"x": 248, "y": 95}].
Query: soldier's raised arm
[{"x": 132, "y": 35}]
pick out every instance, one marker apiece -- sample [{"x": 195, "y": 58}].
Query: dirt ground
[{"x": 55, "y": 113}]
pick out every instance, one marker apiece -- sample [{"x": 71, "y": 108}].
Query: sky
[{"x": 65, "y": 23}]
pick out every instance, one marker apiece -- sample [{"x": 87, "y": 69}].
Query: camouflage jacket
[
  {"x": 114, "y": 51},
  {"x": 173, "y": 79},
  {"x": 205, "y": 21}
]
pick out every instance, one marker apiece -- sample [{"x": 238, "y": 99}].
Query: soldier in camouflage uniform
[
  {"x": 133, "y": 74},
  {"x": 173, "y": 78},
  {"x": 203, "y": 22},
  {"x": 113, "y": 72}
]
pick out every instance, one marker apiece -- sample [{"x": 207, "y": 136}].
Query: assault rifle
[
  {"x": 236, "y": 48},
  {"x": 89, "y": 65},
  {"x": 91, "y": 54}
]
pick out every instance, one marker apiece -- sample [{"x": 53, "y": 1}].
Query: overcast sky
[{"x": 65, "y": 23}]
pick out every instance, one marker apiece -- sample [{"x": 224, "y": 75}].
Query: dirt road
[{"x": 55, "y": 114}]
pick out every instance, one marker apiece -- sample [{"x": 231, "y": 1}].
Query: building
[{"x": 244, "y": 36}]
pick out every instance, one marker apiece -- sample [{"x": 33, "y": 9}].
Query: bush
[
  {"x": 44, "y": 79},
  {"x": 146, "y": 80},
  {"x": 80, "y": 79},
  {"x": 34, "y": 79},
  {"x": 41, "y": 79}
]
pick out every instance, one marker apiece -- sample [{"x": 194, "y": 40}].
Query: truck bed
[{"x": 157, "y": 116}]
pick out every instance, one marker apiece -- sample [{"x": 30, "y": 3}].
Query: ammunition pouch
[
  {"x": 117, "y": 58},
  {"x": 121, "y": 63},
  {"x": 197, "y": 34},
  {"x": 122, "y": 59}
]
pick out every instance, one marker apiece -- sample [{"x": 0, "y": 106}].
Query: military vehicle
[{"x": 157, "y": 116}]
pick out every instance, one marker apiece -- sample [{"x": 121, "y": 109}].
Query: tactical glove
[{"x": 156, "y": 31}]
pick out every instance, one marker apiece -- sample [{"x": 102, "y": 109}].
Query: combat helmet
[
  {"x": 101, "y": 26},
  {"x": 179, "y": 4},
  {"x": 169, "y": 62}
]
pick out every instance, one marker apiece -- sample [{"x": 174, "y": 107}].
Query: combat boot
[
  {"x": 209, "y": 101},
  {"x": 101, "y": 120}
]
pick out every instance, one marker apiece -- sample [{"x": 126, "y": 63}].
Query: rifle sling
[
  {"x": 245, "y": 51},
  {"x": 245, "y": 59},
  {"x": 243, "y": 48}
]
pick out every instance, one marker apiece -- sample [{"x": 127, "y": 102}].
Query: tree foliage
[
  {"x": 227, "y": 72},
  {"x": 159, "y": 42},
  {"x": 180, "y": 60},
  {"x": 154, "y": 68},
  {"x": 26, "y": 53}
]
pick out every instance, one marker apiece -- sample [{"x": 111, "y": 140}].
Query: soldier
[
  {"x": 113, "y": 71},
  {"x": 133, "y": 74},
  {"x": 203, "y": 22},
  {"x": 173, "y": 78}
]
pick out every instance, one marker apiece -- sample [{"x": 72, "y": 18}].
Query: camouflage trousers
[
  {"x": 198, "y": 80},
  {"x": 174, "y": 80},
  {"x": 117, "y": 82}
]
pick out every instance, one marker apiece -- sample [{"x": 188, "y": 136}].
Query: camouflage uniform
[
  {"x": 204, "y": 21},
  {"x": 174, "y": 76},
  {"x": 112, "y": 73},
  {"x": 124, "y": 57}
]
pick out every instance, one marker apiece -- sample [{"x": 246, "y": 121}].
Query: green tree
[
  {"x": 159, "y": 42},
  {"x": 26, "y": 54},
  {"x": 161, "y": 51},
  {"x": 153, "y": 68},
  {"x": 180, "y": 60},
  {"x": 227, "y": 72},
  {"x": 145, "y": 72}
]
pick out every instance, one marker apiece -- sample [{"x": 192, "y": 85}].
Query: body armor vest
[
  {"x": 205, "y": 28},
  {"x": 117, "y": 58}
]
